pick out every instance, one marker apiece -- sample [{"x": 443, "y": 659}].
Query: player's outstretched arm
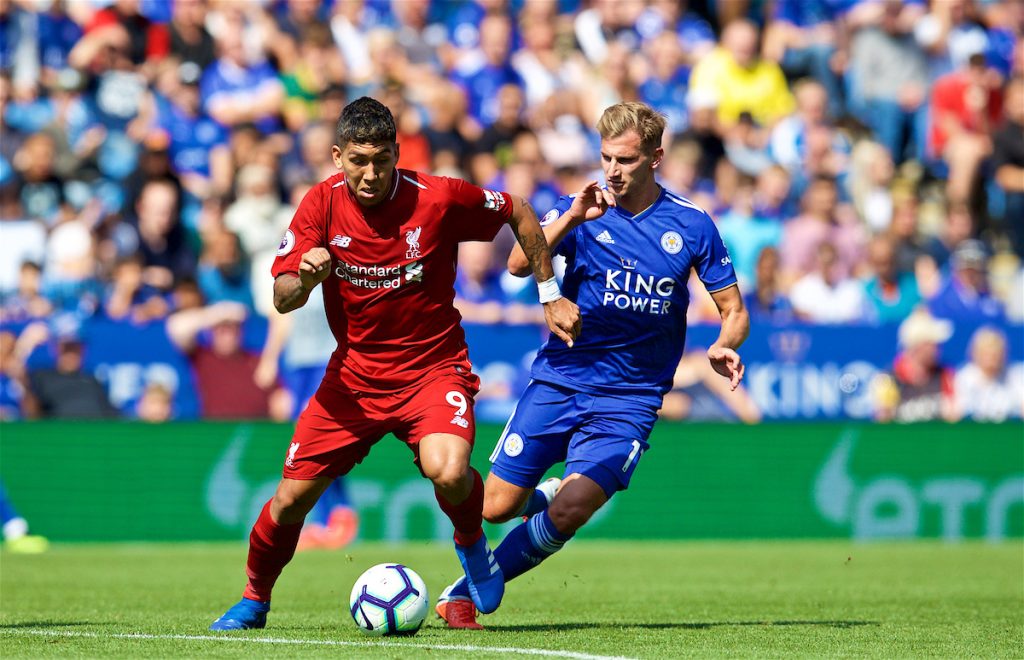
[
  {"x": 292, "y": 291},
  {"x": 562, "y": 315},
  {"x": 735, "y": 328},
  {"x": 589, "y": 203}
]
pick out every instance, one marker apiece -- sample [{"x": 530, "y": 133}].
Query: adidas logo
[{"x": 605, "y": 237}]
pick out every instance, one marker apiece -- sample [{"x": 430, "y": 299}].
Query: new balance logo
[
  {"x": 460, "y": 421},
  {"x": 605, "y": 237},
  {"x": 341, "y": 241}
]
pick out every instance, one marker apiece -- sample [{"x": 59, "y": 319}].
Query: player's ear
[
  {"x": 337, "y": 155},
  {"x": 659, "y": 153},
  {"x": 396, "y": 152}
]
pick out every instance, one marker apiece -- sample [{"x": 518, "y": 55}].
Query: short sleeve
[
  {"x": 305, "y": 232},
  {"x": 475, "y": 214},
  {"x": 711, "y": 259},
  {"x": 567, "y": 246}
]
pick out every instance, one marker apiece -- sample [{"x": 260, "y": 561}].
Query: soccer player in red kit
[{"x": 383, "y": 243}]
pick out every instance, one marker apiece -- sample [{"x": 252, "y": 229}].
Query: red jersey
[{"x": 389, "y": 297}]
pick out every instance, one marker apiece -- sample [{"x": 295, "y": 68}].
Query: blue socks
[
  {"x": 537, "y": 503},
  {"x": 525, "y": 547}
]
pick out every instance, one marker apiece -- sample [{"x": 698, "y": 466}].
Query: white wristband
[{"x": 549, "y": 291}]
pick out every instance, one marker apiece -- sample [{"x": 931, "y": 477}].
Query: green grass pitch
[{"x": 595, "y": 599}]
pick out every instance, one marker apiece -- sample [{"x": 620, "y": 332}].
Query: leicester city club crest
[{"x": 671, "y": 242}]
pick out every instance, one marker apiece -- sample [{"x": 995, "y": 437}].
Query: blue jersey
[{"x": 628, "y": 274}]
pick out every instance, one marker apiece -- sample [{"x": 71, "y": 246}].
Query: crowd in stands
[{"x": 864, "y": 159}]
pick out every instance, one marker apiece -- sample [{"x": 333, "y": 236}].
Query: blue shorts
[{"x": 600, "y": 437}]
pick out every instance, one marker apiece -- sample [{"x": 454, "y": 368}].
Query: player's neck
[{"x": 643, "y": 200}]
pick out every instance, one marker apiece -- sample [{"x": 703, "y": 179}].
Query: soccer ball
[{"x": 389, "y": 599}]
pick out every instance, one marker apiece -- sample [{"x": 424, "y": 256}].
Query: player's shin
[
  {"x": 467, "y": 515},
  {"x": 271, "y": 547}
]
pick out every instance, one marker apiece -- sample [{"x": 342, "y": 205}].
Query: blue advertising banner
[{"x": 795, "y": 372}]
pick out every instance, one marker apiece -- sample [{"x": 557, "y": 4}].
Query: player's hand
[
  {"x": 314, "y": 267},
  {"x": 563, "y": 319},
  {"x": 591, "y": 202},
  {"x": 727, "y": 362}
]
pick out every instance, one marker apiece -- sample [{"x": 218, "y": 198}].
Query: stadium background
[{"x": 152, "y": 154}]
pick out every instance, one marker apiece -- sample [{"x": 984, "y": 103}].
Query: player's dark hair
[{"x": 366, "y": 121}]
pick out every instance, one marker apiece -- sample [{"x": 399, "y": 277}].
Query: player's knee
[
  {"x": 569, "y": 515},
  {"x": 290, "y": 506},
  {"x": 499, "y": 508},
  {"x": 449, "y": 476}
]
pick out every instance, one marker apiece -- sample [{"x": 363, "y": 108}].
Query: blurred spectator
[
  {"x": 42, "y": 192},
  {"x": 12, "y": 374},
  {"x": 803, "y": 37},
  {"x": 665, "y": 86},
  {"x": 965, "y": 107},
  {"x": 190, "y": 41},
  {"x": 27, "y": 302},
  {"x": 823, "y": 220},
  {"x": 318, "y": 66},
  {"x": 130, "y": 297},
  {"x": 478, "y": 293},
  {"x": 965, "y": 294},
  {"x": 161, "y": 237},
  {"x": 66, "y": 391},
  {"x": 870, "y": 183},
  {"x": 605, "y": 23},
  {"x": 24, "y": 239},
  {"x": 496, "y": 141},
  {"x": 122, "y": 26},
  {"x": 763, "y": 301},
  {"x": 699, "y": 394},
  {"x": 772, "y": 196},
  {"x": 740, "y": 81},
  {"x": 793, "y": 138},
  {"x": 223, "y": 274},
  {"x": 198, "y": 145},
  {"x": 888, "y": 80},
  {"x": 827, "y": 296},
  {"x": 987, "y": 390},
  {"x": 957, "y": 227},
  {"x": 920, "y": 387},
  {"x": 156, "y": 404},
  {"x": 236, "y": 91},
  {"x": 892, "y": 295},
  {"x": 746, "y": 233},
  {"x": 1008, "y": 162},
  {"x": 482, "y": 79},
  {"x": 542, "y": 68},
  {"x": 224, "y": 371},
  {"x": 703, "y": 131}
]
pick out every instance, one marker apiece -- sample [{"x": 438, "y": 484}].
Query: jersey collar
[{"x": 639, "y": 217}]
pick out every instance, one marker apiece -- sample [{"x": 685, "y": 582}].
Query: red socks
[
  {"x": 467, "y": 515},
  {"x": 271, "y": 546}
]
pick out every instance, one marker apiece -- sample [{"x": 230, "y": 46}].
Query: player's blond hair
[{"x": 620, "y": 118}]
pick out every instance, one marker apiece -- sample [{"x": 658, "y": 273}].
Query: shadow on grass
[{"x": 701, "y": 625}]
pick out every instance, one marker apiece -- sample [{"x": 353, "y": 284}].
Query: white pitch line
[{"x": 315, "y": 642}]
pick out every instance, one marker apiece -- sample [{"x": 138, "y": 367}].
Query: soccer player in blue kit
[{"x": 629, "y": 249}]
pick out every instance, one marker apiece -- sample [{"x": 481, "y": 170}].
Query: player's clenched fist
[
  {"x": 314, "y": 267},
  {"x": 563, "y": 317}
]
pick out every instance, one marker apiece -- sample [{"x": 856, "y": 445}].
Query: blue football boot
[
  {"x": 483, "y": 575},
  {"x": 243, "y": 615}
]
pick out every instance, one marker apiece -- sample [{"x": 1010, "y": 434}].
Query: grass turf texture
[{"x": 651, "y": 600}]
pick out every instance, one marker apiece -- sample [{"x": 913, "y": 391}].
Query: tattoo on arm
[
  {"x": 289, "y": 294},
  {"x": 535, "y": 247}
]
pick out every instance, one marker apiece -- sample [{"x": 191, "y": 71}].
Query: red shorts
[{"x": 338, "y": 427}]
